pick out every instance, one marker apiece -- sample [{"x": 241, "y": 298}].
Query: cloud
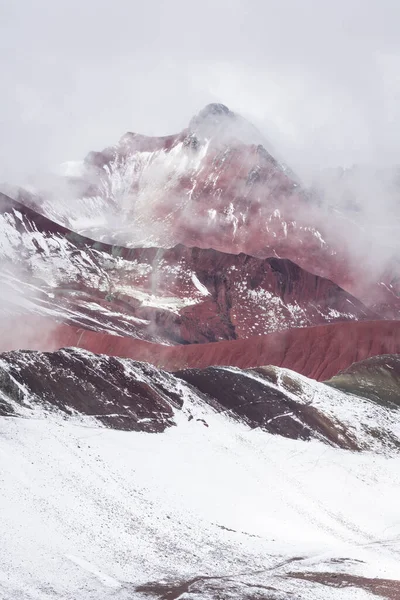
[{"x": 320, "y": 78}]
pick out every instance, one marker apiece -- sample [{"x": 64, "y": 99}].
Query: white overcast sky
[{"x": 320, "y": 78}]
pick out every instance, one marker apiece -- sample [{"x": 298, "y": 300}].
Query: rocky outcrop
[
  {"x": 269, "y": 399},
  {"x": 114, "y": 392},
  {"x": 282, "y": 402}
]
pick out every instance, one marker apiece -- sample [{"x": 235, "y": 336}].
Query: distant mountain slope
[
  {"x": 178, "y": 295},
  {"x": 318, "y": 352}
]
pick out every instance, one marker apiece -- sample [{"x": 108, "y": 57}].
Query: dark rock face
[
  {"x": 119, "y": 394},
  {"x": 255, "y": 397},
  {"x": 382, "y": 588}
]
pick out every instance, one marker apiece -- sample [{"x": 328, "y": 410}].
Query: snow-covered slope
[
  {"x": 210, "y": 508},
  {"x": 197, "y": 512},
  {"x": 125, "y": 394}
]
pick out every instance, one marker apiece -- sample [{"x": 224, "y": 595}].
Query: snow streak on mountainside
[{"x": 215, "y": 506}]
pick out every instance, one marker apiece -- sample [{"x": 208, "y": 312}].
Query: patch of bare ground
[{"x": 384, "y": 588}]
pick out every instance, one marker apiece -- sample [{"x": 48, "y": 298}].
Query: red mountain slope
[{"x": 317, "y": 352}]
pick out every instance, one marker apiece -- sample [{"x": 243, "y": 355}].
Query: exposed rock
[
  {"x": 383, "y": 588},
  {"x": 118, "y": 393},
  {"x": 282, "y": 402},
  {"x": 271, "y": 407}
]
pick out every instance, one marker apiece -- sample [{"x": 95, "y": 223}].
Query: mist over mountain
[{"x": 200, "y": 308}]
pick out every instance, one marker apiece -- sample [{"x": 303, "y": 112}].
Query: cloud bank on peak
[{"x": 318, "y": 78}]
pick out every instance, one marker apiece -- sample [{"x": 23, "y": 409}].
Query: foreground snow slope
[
  {"x": 214, "y": 506},
  {"x": 91, "y": 513}
]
